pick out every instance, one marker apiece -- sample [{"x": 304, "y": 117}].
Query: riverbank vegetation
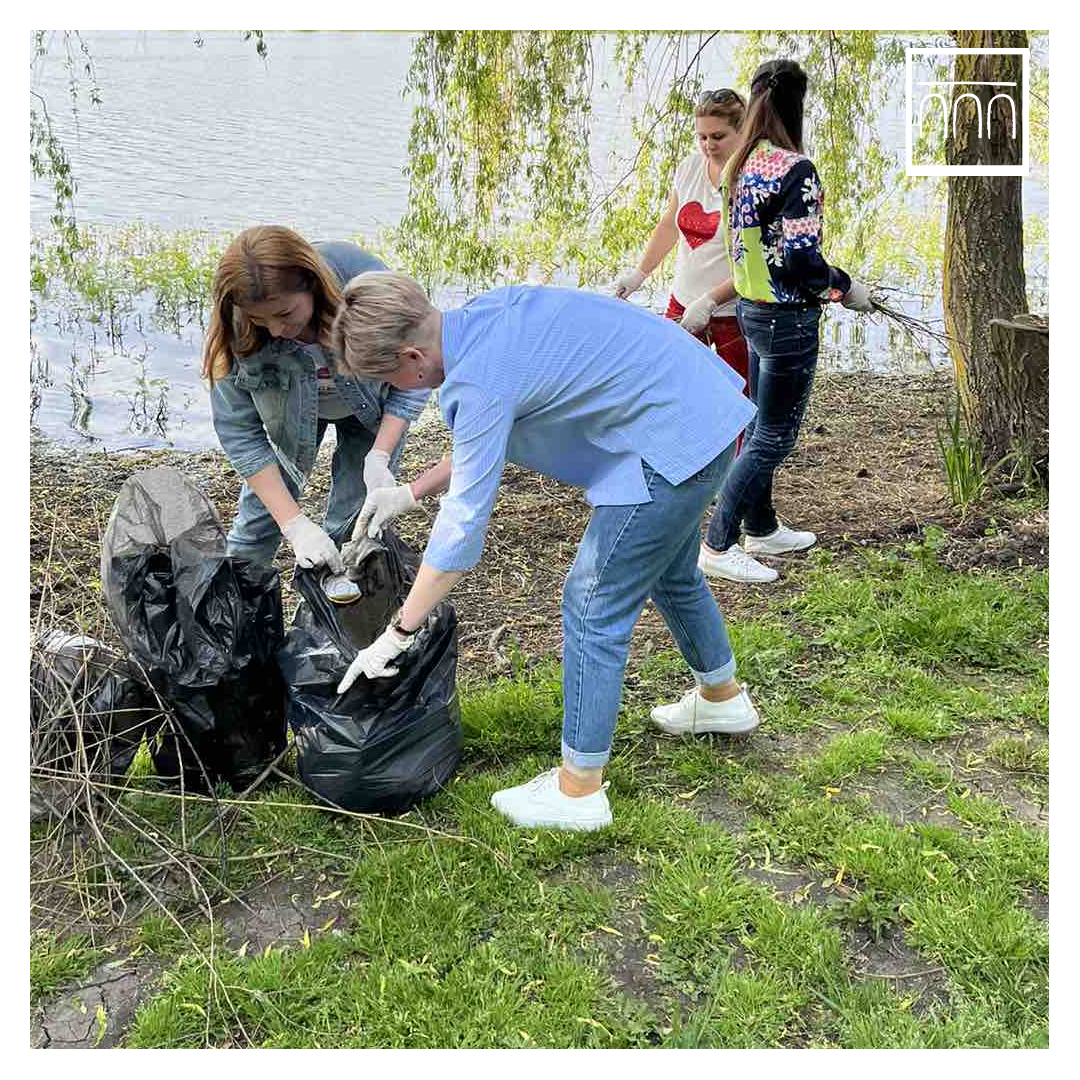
[{"x": 870, "y": 868}]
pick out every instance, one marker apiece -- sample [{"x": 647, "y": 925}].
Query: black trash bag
[
  {"x": 89, "y": 708},
  {"x": 385, "y": 744},
  {"x": 206, "y": 628}
]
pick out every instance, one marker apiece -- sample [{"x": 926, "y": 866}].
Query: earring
[{"x": 419, "y": 376}]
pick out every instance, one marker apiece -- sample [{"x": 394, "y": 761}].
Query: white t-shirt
[
  {"x": 331, "y": 404},
  {"x": 701, "y": 261}
]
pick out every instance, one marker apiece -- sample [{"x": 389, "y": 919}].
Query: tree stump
[{"x": 1010, "y": 386}]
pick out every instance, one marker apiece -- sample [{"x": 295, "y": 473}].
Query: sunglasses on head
[{"x": 719, "y": 97}]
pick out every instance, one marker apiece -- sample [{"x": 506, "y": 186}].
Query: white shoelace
[
  {"x": 741, "y": 558},
  {"x": 544, "y": 779}
]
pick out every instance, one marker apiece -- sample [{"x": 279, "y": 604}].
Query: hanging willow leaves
[{"x": 505, "y": 119}]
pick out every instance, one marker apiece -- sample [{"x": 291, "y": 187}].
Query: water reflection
[
  {"x": 127, "y": 382},
  {"x": 122, "y": 370}
]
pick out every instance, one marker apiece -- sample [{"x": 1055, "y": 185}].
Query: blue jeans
[
  {"x": 629, "y": 553},
  {"x": 255, "y": 535},
  {"x": 783, "y": 346}
]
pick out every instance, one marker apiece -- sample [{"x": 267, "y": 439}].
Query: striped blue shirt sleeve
[
  {"x": 481, "y": 425},
  {"x": 406, "y": 404}
]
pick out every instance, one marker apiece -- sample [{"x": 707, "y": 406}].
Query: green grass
[
  {"x": 920, "y": 612},
  {"x": 845, "y": 756},
  {"x": 54, "y": 961},
  {"x": 662, "y": 930},
  {"x": 1020, "y": 755}
]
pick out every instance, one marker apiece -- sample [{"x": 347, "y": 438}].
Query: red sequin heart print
[{"x": 696, "y": 225}]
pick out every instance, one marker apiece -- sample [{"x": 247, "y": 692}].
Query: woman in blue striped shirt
[{"x": 600, "y": 395}]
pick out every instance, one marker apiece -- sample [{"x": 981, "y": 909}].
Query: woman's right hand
[
  {"x": 857, "y": 298},
  {"x": 311, "y": 545},
  {"x": 629, "y": 281}
]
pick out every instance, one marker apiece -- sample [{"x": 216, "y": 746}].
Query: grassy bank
[{"x": 869, "y": 868}]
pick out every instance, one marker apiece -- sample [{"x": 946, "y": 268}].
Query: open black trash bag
[
  {"x": 89, "y": 709},
  {"x": 206, "y": 628},
  {"x": 385, "y": 744}
]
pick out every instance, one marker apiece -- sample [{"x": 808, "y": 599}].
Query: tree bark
[
  {"x": 1015, "y": 393},
  {"x": 983, "y": 275}
]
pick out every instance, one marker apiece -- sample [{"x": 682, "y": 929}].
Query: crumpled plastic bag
[
  {"x": 206, "y": 627},
  {"x": 89, "y": 711},
  {"x": 384, "y": 744}
]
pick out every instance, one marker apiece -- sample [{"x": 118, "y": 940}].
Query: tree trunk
[
  {"x": 983, "y": 275},
  {"x": 1015, "y": 393}
]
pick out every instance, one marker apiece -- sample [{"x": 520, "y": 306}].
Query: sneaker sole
[
  {"x": 776, "y": 551},
  {"x": 709, "y": 571},
  {"x": 709, "y": 727}
]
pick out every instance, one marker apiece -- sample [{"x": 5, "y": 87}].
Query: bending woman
[
  {"x": 773, "y": 231},
  {"x": 603, "y": 396},
  {"x": 274, "y": 393}
]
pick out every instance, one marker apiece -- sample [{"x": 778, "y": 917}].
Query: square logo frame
[{"x": 967, "y": 170}]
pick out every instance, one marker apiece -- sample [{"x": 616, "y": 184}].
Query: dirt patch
[
  {"x": 972, "y": 766},
  {"x": 903, "y": 804},
  {"x": 280, "y": 913},
  {"x": 1038, "y": 903},
  {"x": 629, "y": 957},
  {"x": 719, "y": 808},
  {"x": 94, "y": 1014},
  {"x": 908, "y": 972},
  {"x": 868, "y": 955},
  {"x": 795, "y": 886}
]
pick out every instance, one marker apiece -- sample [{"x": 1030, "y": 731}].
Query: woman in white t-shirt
[{"x": 702, "y": 294}]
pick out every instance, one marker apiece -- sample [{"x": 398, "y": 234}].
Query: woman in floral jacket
[{"x": 773, "y": 231}]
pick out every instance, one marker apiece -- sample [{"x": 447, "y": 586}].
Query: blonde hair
[
  {"x": 260, "y": 264},
  {"x": 381, "y": 314},
  {"x": 732, "y": 108}
]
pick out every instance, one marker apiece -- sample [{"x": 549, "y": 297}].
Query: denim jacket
[{"x": 266, "y": 409}]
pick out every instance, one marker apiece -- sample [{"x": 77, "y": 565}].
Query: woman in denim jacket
[
  {"x": 773, "y": 230},
  {"x": 274, "y": 391}
]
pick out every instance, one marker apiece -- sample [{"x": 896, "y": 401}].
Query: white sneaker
[
  {"x": 693, "y": 715},
  {"x": 540, "y": 804},
  {"x": 782, "y": 539},
  {"x": 734, "y": 565}
]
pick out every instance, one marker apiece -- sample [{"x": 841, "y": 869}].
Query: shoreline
[{"x": 864, "y": 474}]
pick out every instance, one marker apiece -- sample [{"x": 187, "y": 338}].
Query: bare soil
[{"x": 865, "y": 473}]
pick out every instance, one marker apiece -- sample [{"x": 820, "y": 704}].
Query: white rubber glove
[
  {"x": 629, "y": 281},
  {"x": 311, "y": 545},
  {"x": 857, "y": 298},
  {"x": 696, "y": 317},
  {"x": 377, "y": 472},
  {"x": 375, "y": 660},
  {"x": 381, "y": 506}
]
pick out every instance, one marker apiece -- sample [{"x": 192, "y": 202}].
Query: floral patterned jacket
[{"x": 773, "y": 230}]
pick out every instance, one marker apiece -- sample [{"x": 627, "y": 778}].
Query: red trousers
[{"x": 724, "y": 335}]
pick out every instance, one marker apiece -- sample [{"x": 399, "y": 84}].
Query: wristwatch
[{"x": 404, "y": 636}]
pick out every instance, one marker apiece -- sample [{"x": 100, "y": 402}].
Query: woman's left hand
[
  {"x": 375, "y": 660},
  {"x": 377, "y": 472},
  {"x": 697, "y": 315}
]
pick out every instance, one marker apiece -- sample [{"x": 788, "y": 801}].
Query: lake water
[{"x": 315, "y": 137}]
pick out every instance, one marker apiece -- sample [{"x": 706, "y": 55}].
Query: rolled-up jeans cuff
[
  {"x": 717, "y": 676},
  {"x": 585, "y": 761}
]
